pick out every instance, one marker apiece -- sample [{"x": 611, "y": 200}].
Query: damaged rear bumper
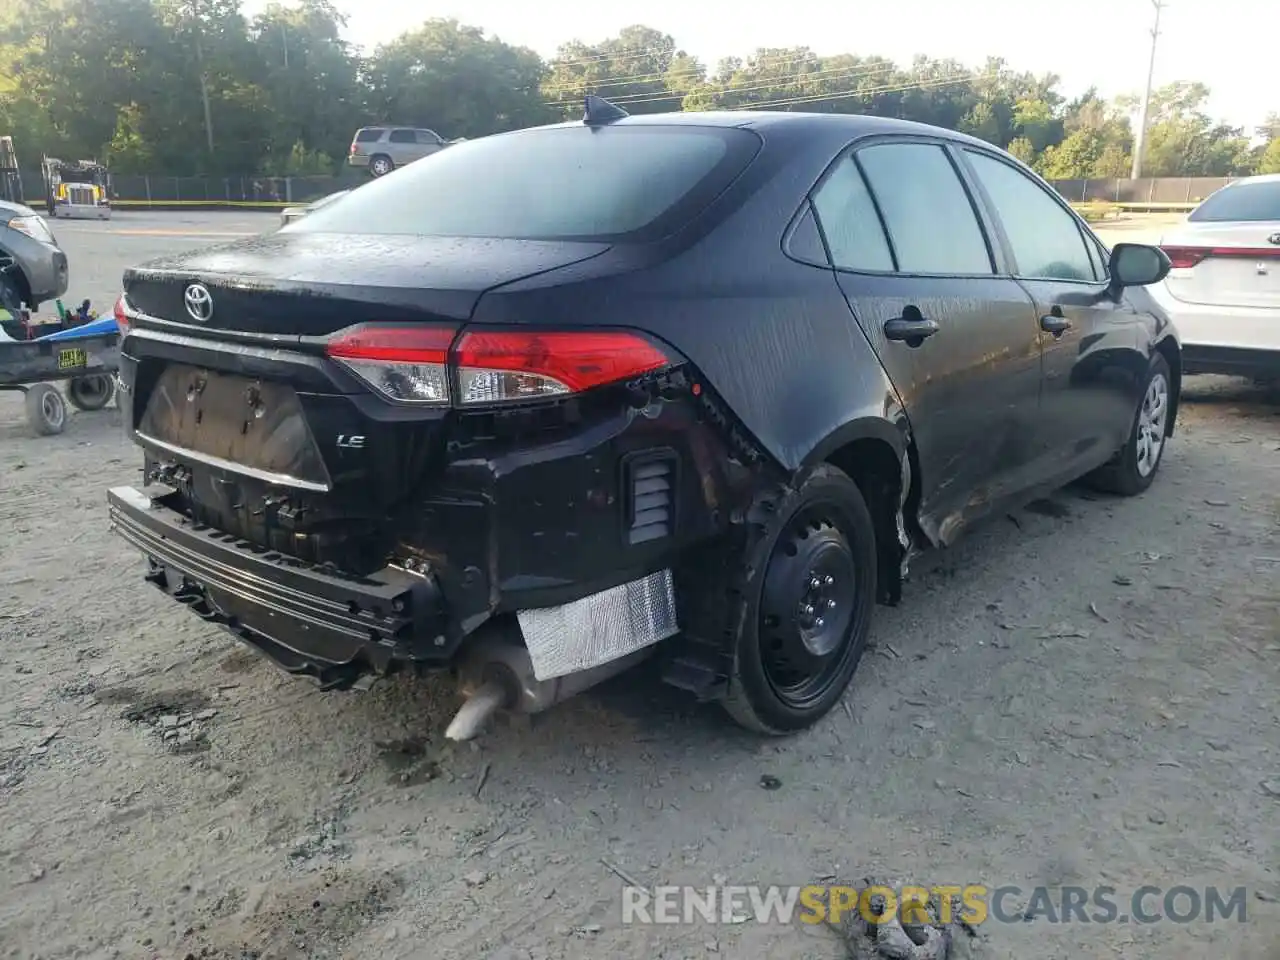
[{"x": 311, "y": 621}]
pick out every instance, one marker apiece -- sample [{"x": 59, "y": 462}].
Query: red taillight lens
[
  {"x": 123, "y": 314},
  {"x": 517, "y": 365},
  {"x": 403, "y": 363},
  {"x": 413, "y": 363},
  {"x": 1183, "y": 258}
]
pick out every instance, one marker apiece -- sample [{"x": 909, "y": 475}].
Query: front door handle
[
  {"x": 912, "y": 327},
  {"x": 1055, "y": 323}
]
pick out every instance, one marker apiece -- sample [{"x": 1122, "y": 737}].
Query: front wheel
[
  {"x": 808, "y": 604},
  {"x": 1134, "y": 467}
]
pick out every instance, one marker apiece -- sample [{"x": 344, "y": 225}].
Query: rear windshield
[
  {"x": 367, "y": 136},
  {"x": 551, "y": 183},
  {"x": 1242, "y": 201}
]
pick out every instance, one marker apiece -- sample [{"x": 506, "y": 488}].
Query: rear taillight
[
  {"x": 1183, "y": 258},
  {"x": 124, "y": 315},
  {"x": 409, "y": 364},
  {"x": 499, "y": 366},
  {"x": 414, "y": 364}
]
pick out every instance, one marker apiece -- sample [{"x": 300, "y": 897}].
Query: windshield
[
  {"x": 1243, "y": 201},
  {"x": 550, "y": 183}
]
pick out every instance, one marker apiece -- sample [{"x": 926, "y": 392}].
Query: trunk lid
[
  {"x": 1227, "y": 264},
  {"x": 292, "y": 285},
  {"x": 269, "y": 440}
]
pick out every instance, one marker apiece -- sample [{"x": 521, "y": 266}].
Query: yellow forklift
[{"x": 78, "y": 189}]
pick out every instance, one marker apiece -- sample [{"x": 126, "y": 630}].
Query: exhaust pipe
[{"x": 497, "y": 674}]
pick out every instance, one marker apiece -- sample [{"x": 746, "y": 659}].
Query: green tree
[
  {"x": 640, "y": 69},
  {"x": 455, "y": 80},
  {"x": 1269, "y": 160}
]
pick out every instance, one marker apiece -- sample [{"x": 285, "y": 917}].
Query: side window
[
  {"x": 850, "y": 222},
  {"x": 428, "y": 137},
  {"x": 368, "y": 135},
  {"x": 1046, "y": 240},
  {"x": 931, "y": 222},
  {"x": 402, "y": 136}
]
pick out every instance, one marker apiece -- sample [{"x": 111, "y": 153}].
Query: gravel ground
[{"x": 1082, "y": 694}]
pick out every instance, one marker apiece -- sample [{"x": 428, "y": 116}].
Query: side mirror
[{"x": 1138, "y": 265}]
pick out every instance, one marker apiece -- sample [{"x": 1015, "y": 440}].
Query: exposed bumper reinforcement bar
[{"x": 316, "y": 622}]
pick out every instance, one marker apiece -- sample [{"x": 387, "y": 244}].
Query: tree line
[{"x": 195, "y": 87}]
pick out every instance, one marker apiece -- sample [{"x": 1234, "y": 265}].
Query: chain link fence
[
  {"x": 142, "y": 191},
  {"x": 1180, "y": 191}
]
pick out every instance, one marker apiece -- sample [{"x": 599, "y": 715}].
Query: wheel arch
[
  {"x": 1172, "y": 353},
  {"x": 10, "y": 266},
  {"x": 879, "y": 455}
]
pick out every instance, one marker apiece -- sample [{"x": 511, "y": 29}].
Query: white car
[
  {"x": 289, "y": 214},
  {"x": 1223, "y": 292}
]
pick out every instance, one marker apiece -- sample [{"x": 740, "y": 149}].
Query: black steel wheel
[{"x": 808, "y": 606}]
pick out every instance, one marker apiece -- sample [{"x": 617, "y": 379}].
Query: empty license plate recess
[{"x": 235, "y": 423}]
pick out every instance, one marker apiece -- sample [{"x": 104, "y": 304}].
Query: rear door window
[
  {"x": 1244, "y": 201},
  {"x": 1046, "y": 240},
  {"x": 850, "y": 222},
  {"x": 403, "y": 136},
  {"x": 556, "y": 183},
  {"x": 368, "y": 136},
  {"x": 930, "y": 219}
]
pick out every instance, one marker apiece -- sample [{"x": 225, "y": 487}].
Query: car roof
[{"x": 1258, "y": 178}]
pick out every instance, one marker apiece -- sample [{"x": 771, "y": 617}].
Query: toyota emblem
[
  {"x": 199, "y": 302},
  {"x": 1274, "y": 238}
]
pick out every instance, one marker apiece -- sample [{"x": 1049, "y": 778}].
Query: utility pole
[
  {"x": 204, "y": 84},
  {"x": 1140, "y": 141}
]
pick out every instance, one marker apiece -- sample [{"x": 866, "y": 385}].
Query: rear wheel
[
  {"x": 46, "y": 410},
  {"x": 1134, "y": 467},
  {"x": 381, "y": 165},
  {"x": 92, "y": 392},
  {"x": 808, "y": 602}
]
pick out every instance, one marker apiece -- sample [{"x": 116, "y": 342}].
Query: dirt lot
[{"x": 1083, "y": 694}]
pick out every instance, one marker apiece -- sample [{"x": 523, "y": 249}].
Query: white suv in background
[
  {"x": 1224, "y": 289},
  {"x": 382, "y": 149}
]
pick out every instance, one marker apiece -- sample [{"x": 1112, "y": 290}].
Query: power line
[
  {"x": 845, "y": 94},
  {"x": 831, "y": 74},
  {"x": 771, "y": 61}
]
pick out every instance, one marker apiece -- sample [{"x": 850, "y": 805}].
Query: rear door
[
  {"x": 402, "y": 146},
  {"x": 912, "y": 255},
  {"x": 1095, "y": 347}
]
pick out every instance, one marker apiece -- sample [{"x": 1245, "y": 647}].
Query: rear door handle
[
  {"x": 1055, "y": 323},
  {"x": 911, "y": 328}
]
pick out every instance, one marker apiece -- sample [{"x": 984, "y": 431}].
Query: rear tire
[
  {"x": 91, "y": 392},
  {"x": 1134, "y": 467},
  {"x": 380, "y": 165},
  {"x": 806, "y": 608},
  {"x": 46, "y": 410}
]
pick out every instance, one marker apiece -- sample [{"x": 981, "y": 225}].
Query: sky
[{"x": 1227, "y": 44}]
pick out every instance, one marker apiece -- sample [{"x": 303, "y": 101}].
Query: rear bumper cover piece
[{"x": 311, "y": 621}]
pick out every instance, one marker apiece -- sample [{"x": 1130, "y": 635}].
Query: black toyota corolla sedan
[{"x": 691, "y": 385}]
